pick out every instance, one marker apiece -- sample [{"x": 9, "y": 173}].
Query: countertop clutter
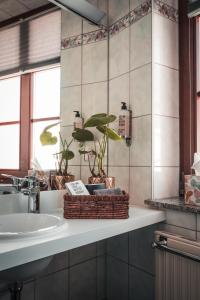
[{"x": 71, "y": 234}]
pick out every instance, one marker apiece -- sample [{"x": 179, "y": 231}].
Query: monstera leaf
[
  {"x": 111, "y": 134},
  {"x": 46, "y": 137},
  {"x": 83, "y": 135},
  {"x": 99, "y": 120}
]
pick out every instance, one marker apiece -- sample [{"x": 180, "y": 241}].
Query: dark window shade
[{"x": 33, "y": 43}]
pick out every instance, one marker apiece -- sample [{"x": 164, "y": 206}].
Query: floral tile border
[
  {"x": 133, "y": 16},
  {"x": 85, "y": 38},
  {"x": 140, "y": 11},
  {"x": 166, "y": 10}
]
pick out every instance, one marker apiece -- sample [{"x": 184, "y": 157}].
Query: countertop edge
[
  {"x": 42, "y": 249},
  {"x": 173, "y": 204}
]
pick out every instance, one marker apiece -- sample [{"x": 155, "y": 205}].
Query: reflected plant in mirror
[
  {"x": 94, "y": 145},
  {"x": 62, "y": 175}
]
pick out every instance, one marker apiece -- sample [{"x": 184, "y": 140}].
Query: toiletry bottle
[
  {"x": 124, "y": 122},
  {"x": 78, "y": 121}
]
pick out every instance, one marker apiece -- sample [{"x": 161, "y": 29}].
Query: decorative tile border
[
  {"x": 119, "y": 25},
  {"x": 136, "y": 14},
  {"x": 140, "y": 11},
  {"x": 132, "y": 17},
  {"x": 85, "y": 38},
  {"x": 71, "y": 42},
  {"x": 166, "y": 10},
  {"x": 95, "y": 36}
]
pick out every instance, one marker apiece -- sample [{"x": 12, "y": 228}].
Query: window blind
[
  {"x": 30, "y": 44},
  {"x": 9, "y": 49}
]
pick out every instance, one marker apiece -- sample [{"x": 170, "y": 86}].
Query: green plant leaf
[
  {"x": 46, "y": 137},
  {"x": 99, "y": 115},
  {"x": 67, "y": 154},
  {"x": 100, "y": 119},
  {"x": 111, "y": 134},
  {"x": 83, "y": 135},
  {"x": 83, "y": 152}
]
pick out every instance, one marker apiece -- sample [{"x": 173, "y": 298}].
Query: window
[
  {"x": 45, "y": 109},
  {"x": 29, "y": 103}
]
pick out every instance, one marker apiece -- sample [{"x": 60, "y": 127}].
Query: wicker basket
[{"x": 96, "y": 207}]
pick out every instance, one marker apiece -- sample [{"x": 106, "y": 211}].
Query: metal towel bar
[{"x": 163, "y": 246}]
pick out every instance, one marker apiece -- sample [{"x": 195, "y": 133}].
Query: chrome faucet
[{"x": 28, "y": 186}]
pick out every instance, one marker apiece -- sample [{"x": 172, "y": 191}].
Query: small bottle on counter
[{"x": 78, "y": 121}]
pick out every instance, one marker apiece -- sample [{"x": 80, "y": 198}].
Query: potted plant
[
  {"x": 96, "y": 153},
  {"x": 62, "y": 174}
]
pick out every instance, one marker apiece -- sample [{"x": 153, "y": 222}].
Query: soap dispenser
[
  {"x": 125, "y": 118},
  {"x": 78, "y": 121}
]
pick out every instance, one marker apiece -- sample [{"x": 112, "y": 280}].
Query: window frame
[
  {"x": 187, "y": 88},
  {"x": 26, "y": 121}
]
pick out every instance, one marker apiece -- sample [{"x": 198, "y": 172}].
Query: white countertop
[{"x": 74, "y": 233}]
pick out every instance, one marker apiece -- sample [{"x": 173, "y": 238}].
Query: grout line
[
  {"x": 80, "y": 169},
  {"x": 83, "y": 84},
  {"x": 141, "y": 116},
  {"x": 168, "y": 67},
  {"x": 108, "y": 83},
  {"x": 131, "y": 265},
  {"x": 166, "y": 116}
]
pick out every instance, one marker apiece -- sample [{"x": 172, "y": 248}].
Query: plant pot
[
  {"x": 58, "y": 182},
  {"x": 109, "y": 181}
]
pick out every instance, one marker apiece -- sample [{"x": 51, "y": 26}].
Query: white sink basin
[{"x": 27, "y": 225}]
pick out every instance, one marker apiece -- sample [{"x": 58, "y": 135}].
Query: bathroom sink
[{"x": 27, "y": 225}]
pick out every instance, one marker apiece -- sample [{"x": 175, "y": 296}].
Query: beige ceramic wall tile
[
  {"x": 89, "y": 27},
  {"x": 198, "y": 222},
  {"x": 181, "y": 219},
  {"x": 70, "y": 101},
  {"x": 95, "y": 58},
  {"x": 140, "y": 151},
  {"x": 141, "y": 32},
  {"x": 186, "y": 233},
  {"x": 166, "y": 141},
  {"x": 85, "y": 174},
  {"x": 140, "y": 185},
  {"x": 76, "y": 171},
  {"x": 136, "y": 3},
  {"x": 165, "y": 91},
  {"x": 119, "y": 91},
  {"x": 121, "y": 175},
  {"x": 166, "y": 182},
  {"x": 118, "y": 153},
  {"x": 94, "y": 99},
  {"x": 119, "y": 53},
  {"x": 71, "y": 67},
  {"x": 71, "y": 24},
  {"x": 165, "y": 42},
  {"x": 117, "y": 9},
  {"x": 140, "y": 90}
]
